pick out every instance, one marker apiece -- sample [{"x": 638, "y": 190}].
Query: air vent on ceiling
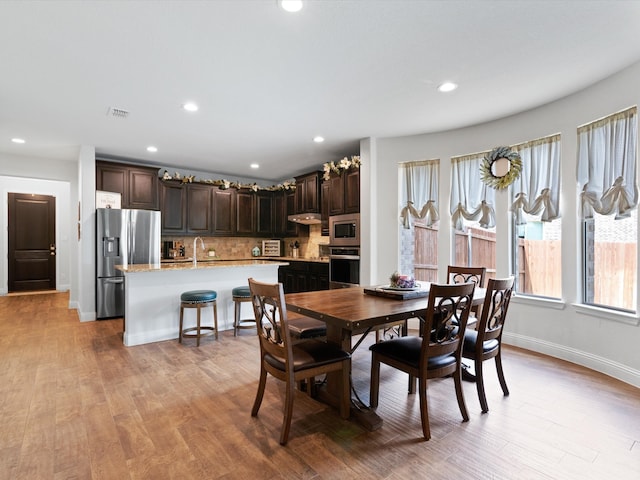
[{"x": 117, "y": 112}]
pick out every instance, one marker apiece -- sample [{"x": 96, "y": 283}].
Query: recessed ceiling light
[
  {"x": 152, "y": 149},
  {"x": 447, "y": 87},
  {"x": 291, "y": 5},
  {"x": 254, "y": 165},
  {"x": 318, "y": 139},
  {"x": 17, "y": 140},
  {"x": 190, "y": 107}
]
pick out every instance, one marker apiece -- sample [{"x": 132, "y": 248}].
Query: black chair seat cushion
[
  {"x": 309, "y": 354},
  {"x": 470, "y": 340},
  {"x": 407, "y": 350},
  {"x": 306, "y": 327}
]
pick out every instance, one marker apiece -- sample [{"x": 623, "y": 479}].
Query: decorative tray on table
[{"x": 398, "y": 293}]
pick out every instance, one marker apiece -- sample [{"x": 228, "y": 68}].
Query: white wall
[
  {"x": 600, "y": 340},
  {"x": 43, "y": 177}
]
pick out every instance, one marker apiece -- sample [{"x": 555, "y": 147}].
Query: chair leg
[
  {"x": 503, "y": 382},
  {"x": 484, "y": 406},
  {"x": 345, "y": 403},
  {"x": 181, "y": 319},
  {"x": 288, "y": 411},
  {"x": 236, "y": 318},
  {"x": 215, "y": 317},
  {"x": 457, "y": 380},
  {"x": 374, "y": 388},
  {"x": 424, "y": 407},
  {"x": 260, "y": 393},
  {"x": 198, "y": 326}
]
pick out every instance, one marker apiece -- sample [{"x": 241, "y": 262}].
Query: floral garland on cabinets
[
  {"x": 339, "y": 167},
  {"x": 226, "y": 184}
]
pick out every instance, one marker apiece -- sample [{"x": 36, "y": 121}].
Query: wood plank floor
[{"x": 77, "y": 404}]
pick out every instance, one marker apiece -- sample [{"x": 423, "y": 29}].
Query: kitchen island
[{"x": 152, "y": 294}]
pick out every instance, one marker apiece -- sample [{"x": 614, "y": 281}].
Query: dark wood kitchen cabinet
[
  {"x": 173, "y": 206},
  {"x": 224, "y": 212},
  {"x": 245, "y": 213},
  {"x": 343, "y": 192},
  {"x": 284, "y": 204},
  {"x": 137, "y": 185},
  {"x": 325, "y": 202},
  {"x": 265, "y": 220},
  {"x": 303, "y": 276},
  {"x": 199, "y": 207},
  {"x": 308, "y": 193}
]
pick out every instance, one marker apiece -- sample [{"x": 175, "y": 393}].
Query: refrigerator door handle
[{"x": 114, "y": 280}]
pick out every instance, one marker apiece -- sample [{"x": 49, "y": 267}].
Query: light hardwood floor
[{"x": 77, "y": 404}]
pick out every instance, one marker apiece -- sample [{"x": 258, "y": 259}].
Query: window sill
[
  {"x": 544, "y": 302},
  {"x": 607, "y": 314}
]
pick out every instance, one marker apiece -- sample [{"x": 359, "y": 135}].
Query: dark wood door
[
  {"x": 352, "y": 191},
  {"x": 264, "y": 214},
  {"x": 143, "y": 188},
  {"x": 32, "y": 242},
  {"x": 246, "y": 213}
]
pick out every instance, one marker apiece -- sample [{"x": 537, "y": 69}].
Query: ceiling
[{"x": 268, "y": 81}]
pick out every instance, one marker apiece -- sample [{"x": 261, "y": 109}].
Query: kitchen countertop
[
  {"x": 270, "y": 259},
  {"x": 188, "y": 265}
]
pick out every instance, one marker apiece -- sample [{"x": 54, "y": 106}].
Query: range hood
[{"x": 306, "y": 218}]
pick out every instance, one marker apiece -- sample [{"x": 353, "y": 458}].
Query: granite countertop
[
  {"x": 188, "y": 265},
  {"x": 270, "y": 259}
]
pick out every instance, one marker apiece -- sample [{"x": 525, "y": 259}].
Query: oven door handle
[{"x": 344, "y": 257}]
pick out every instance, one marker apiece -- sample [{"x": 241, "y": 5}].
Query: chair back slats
[
  {"x": 460, "y": 274},
  {"x": 446, "y": 318},
  {"x": 271, "y": 316},
  {"x": 496, "y": 305}
]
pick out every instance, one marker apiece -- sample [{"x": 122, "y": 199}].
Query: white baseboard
[{"x": 579, "y": 357}]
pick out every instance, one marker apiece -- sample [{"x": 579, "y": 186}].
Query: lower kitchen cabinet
[{"x": 302, "y": 276}]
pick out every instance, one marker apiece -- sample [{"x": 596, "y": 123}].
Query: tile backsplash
[{"x": 237, "y": 248}]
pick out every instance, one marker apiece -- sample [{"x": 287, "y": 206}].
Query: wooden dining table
[{"x": 351, "y": 311}]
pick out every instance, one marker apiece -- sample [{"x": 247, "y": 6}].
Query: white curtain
[
  {"x": 471, "y": 199},
  {"x": 537, "y": 190},
  {"x": 607, "y": 162},
  {"x": 419, "y": 191}
]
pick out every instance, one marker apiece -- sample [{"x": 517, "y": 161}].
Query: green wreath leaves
[{"x": 515, "y": 167}]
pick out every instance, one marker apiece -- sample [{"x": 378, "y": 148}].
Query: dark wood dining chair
[
  {"x": 485, "y": 342},
  {"x": 436, "y": 354},
  {"x": 459, "y": 274},
  {"x": 288, "y": 362}
]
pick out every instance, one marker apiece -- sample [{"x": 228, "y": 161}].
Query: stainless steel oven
[
  {"x": 344, "y": 266},
  {"x": 344, "y": 230}
]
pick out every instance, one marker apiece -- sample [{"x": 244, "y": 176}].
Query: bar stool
[
  {"x": 241, "y": 295},
  {"x": 198, "y": 299}
]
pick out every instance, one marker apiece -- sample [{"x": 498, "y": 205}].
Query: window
[
  {"x": 419, "y": 202},
  {"x": 607, "y": 169},
  {"x": 536, "y": 232},
  {"x": 472, "y": 214}
]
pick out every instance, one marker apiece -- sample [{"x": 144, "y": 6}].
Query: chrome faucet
[{"x": 195, "y": 252}]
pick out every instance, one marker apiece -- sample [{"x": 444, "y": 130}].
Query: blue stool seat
[
  {"x": 196, "y": 296},
  {"x": 240, "y": 295},
  {"x": 198, "y": 299},
  {"x": 242, "y": 292}
]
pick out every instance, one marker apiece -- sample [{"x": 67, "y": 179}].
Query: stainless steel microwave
[{"x": 344, "y": 230}]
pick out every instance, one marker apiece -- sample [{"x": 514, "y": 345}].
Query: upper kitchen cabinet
[
  {"x": 137, "y": 184},
  {"x": 343, "y": 191},
  {"x": 173, "y": 207},
  {"x": 265, "y": 220},
  {"x": 224, "y": 212},
  {"x": 284, "y": 204},
  {"x": 308, "y": 193},
  {"x": 245, "y": 213},
  {"x": 199, "y": 207}
]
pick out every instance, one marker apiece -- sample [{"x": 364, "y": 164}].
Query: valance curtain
[
  {"x": 607, "y": 163},
  {"x": 419, "y": 190},
  {"x": 471, "y": 199},
  {"x": 537, "y": 190}
]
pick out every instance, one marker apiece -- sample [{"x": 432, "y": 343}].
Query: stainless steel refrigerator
[{"x": 124, "y": 237}]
